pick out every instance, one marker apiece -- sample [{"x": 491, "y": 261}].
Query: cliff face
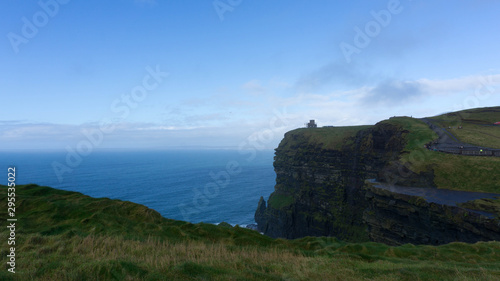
[
  {"x": 318, "y": 188},
  {"x": 320, "y": 191},
  {"x": 397, "y": 218},
  {"x": 310, "y": 197}
]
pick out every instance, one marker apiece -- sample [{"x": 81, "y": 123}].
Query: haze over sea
[{"x": 170, "y": 182}]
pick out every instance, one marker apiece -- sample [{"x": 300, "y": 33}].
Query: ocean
[{"x": 208, "y": 186}]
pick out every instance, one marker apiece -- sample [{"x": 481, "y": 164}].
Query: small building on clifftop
[{"x": 311, "y": 124}]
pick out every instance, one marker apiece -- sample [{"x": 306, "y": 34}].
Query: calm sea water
[{"x": 197, "y": 186}]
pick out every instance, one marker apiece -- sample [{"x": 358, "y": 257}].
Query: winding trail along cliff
[
  {"x": 448, "y": 143},
  {"x": 321, "y": 191}
]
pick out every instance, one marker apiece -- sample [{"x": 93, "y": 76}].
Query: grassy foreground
[{"x": 63, "y": 235}]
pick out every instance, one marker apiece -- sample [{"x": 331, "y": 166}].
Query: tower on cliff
[{"x": 311, "y": 124}]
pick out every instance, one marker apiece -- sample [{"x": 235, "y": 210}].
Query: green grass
[
  {"x": 418, "y": 132},
  {"x": 279, "y": 201},
  {"x": 332, "y": 138},
  {"x": 126, "y": 241},
  {"x": 487, "y": 205},
  {"x": 455, "y": 172},
  {"x": 69, "y": 236},
  {"x": 475, "y": 124}
]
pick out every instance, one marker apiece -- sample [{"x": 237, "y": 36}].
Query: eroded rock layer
[{"x": 321, "y": 191}]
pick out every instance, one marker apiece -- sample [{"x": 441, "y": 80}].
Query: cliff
[
  {"x": 318, "y": 183},
  {"x": 394, "y": 219},
  {"x": 320, "y": 188}
]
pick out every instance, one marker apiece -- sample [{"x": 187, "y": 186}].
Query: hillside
[
  {"x": 476, "y": 125},
  {"x": 321, "y": 186},
  {"x": 69, "y": 236},
  {"x": 450, "y": 171},
  {"x": 454, "y": 172}
]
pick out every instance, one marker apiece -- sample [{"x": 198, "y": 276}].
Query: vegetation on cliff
[
  {"x": 450, "y": 171},
  {"x": 487, "y": 205},
  {"x": 476, "y": 125},
  {"x": 69, "y": 236},
  {"x": 454, "y": 172},
  {"x": 321, "y": 174},
  {"x": 328, "y": 138}
]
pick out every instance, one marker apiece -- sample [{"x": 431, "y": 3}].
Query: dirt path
[{"x": 448, "y": 143}]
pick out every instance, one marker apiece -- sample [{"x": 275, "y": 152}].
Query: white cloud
[
  {"x": 397, "y": 92},
  {"x": 231, "y": 119},
  {"x": 468, "y": 83},
  {"x": 254, "y": 87},
  {"x": 339, "y": 72},
  {"x": 29, "y": 131},
  {"x": 370, "y": 104},
  {"x": 393, "y": 92}
]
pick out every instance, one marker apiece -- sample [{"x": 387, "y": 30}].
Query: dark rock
[
  {"x": 252, "y": 226},
  {"x": 391, "y": 217},
  {"x": 321, "y": 191},
  {"x": 325, "y": 185}
]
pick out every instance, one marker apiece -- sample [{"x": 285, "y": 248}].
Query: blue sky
[{"x": 234, "y": 73}]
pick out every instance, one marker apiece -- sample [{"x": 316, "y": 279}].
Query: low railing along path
[{"x": 448, "y": 143}]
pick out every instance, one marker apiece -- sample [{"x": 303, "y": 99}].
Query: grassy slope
[
  {"x": 451, "y": 171},
  {"x": 455, "y": 171},
  {"x": 476, "y": 125},
  {"x": 68, "y": 236},
  {"x": 487, "y": 205},
  {"x": 332, "y": 138}
]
